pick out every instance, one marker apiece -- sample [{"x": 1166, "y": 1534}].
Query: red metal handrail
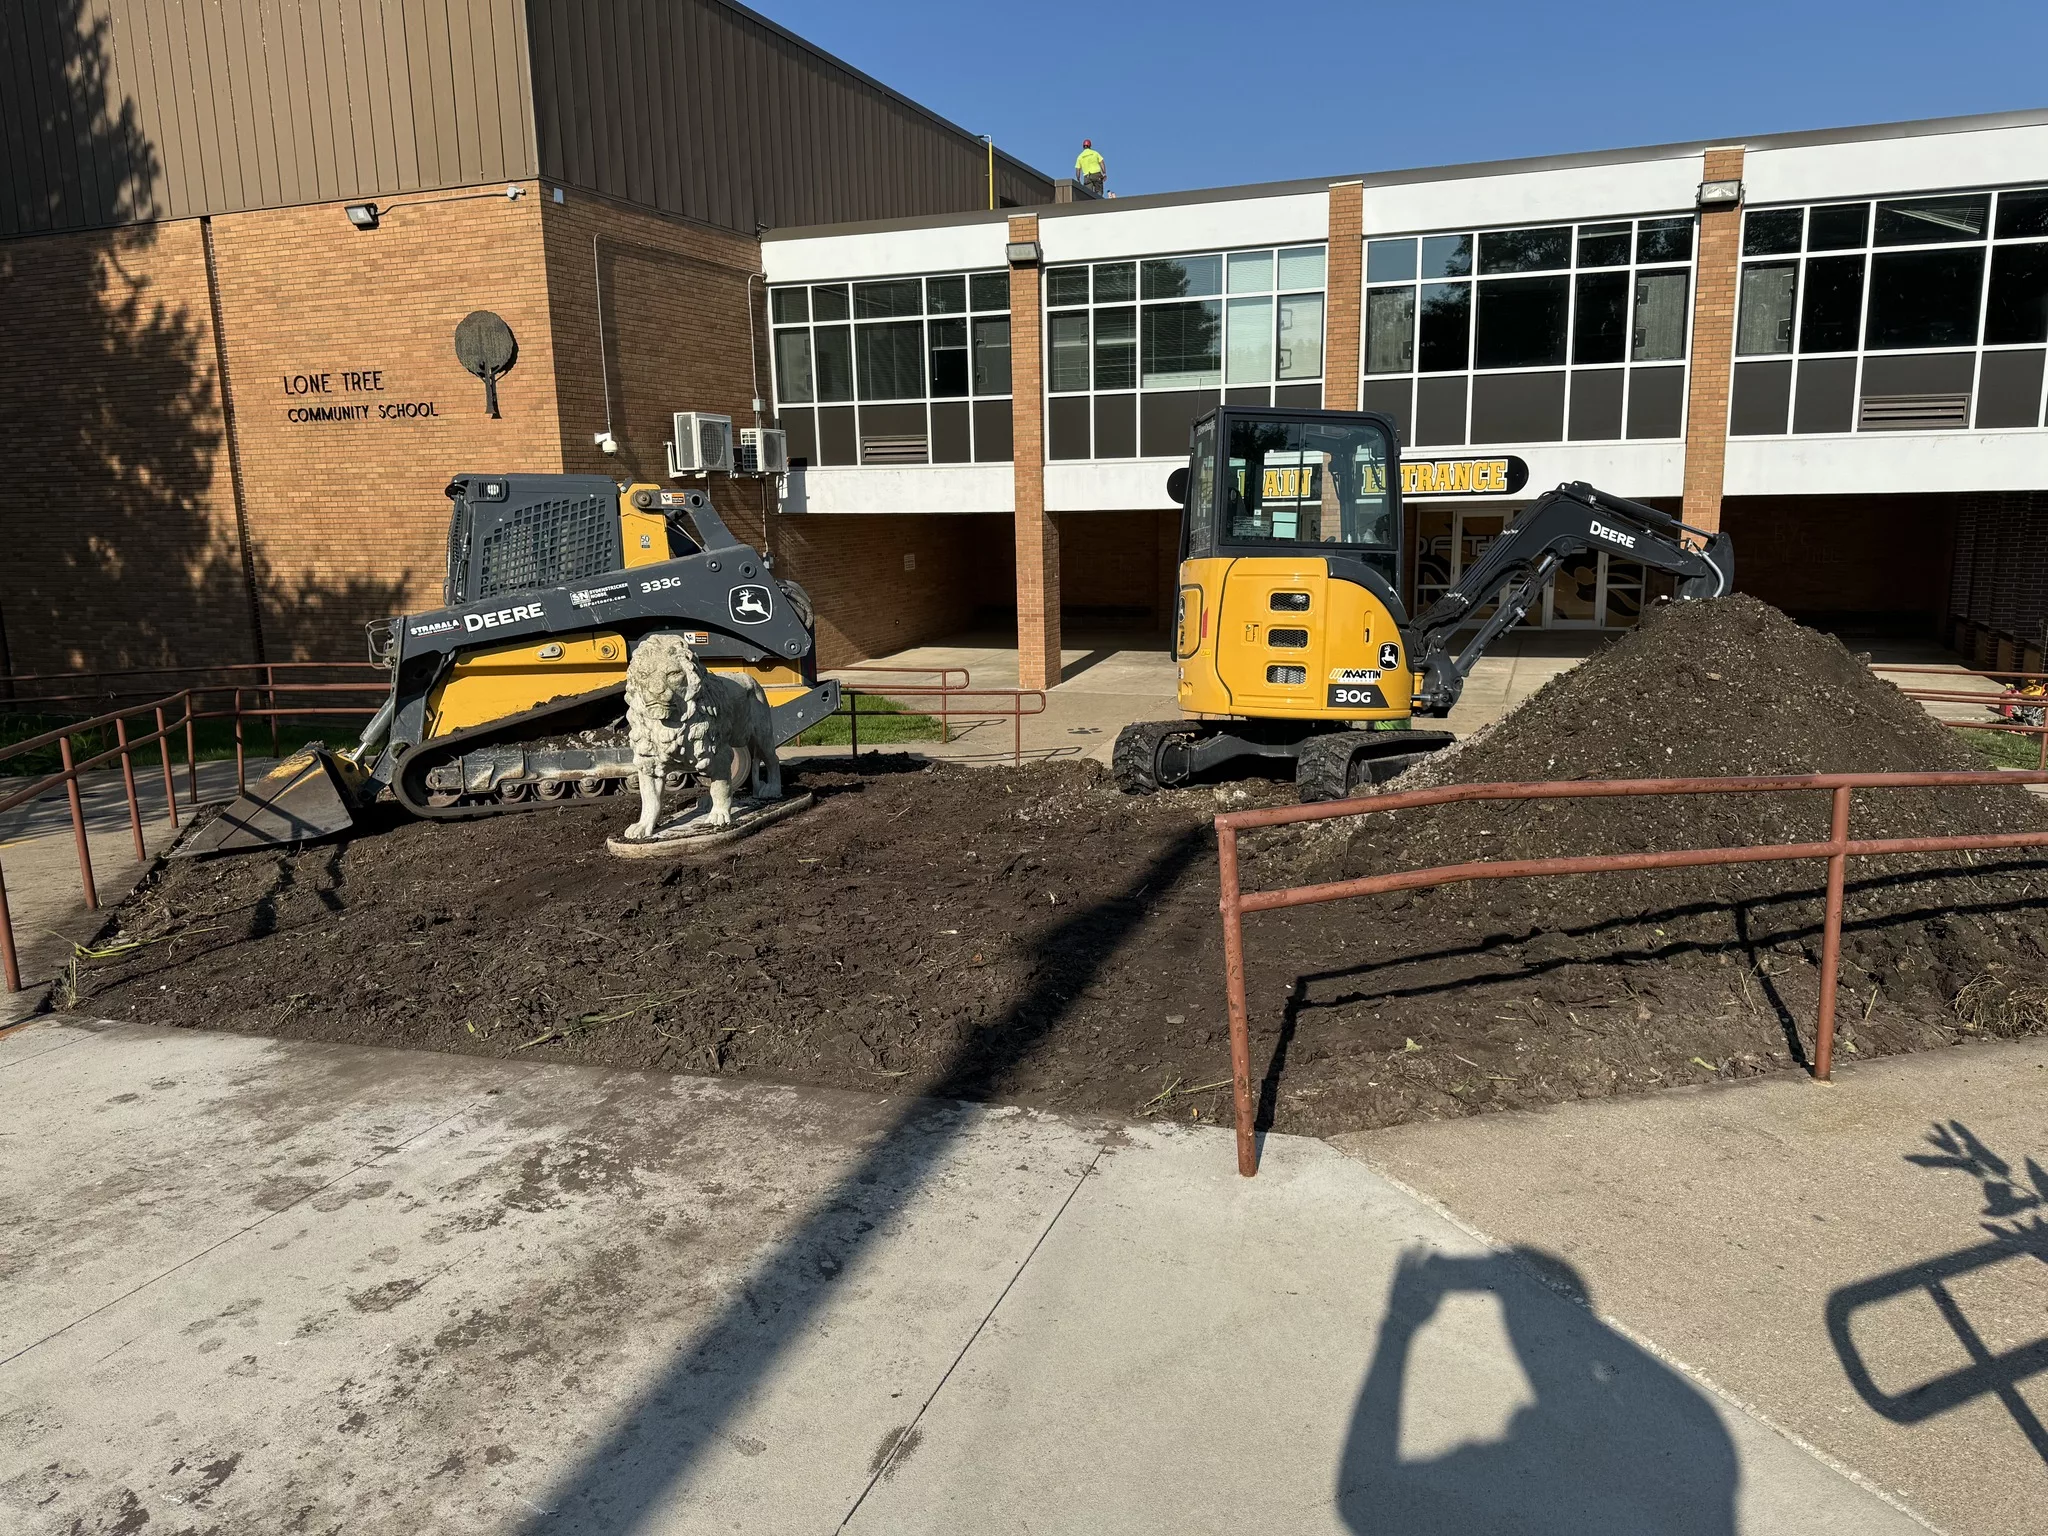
[
  {"x": 1988, "y": 699},
  {"x": 948, "y": 697},
  {"x": 1837, "y": 850}
]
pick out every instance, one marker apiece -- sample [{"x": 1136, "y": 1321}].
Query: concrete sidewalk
[
  {"x": 1862, "y": 1262},
  {"x": 258, "y": 1286}
]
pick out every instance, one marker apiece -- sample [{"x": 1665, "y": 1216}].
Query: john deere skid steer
[{"x": 510, "y": 696}]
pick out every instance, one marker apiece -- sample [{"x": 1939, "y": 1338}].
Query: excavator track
[{"x": 1339, "y": 764}]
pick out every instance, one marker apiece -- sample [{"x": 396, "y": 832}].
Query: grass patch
[
  {"x": 2004, "y": 749},
  {"x": 881, "y": 720},
  {"x": 213, "y": 739}
]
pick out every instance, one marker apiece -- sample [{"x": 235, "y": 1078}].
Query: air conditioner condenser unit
[
  {"x": 764, "y": 451},
  {"x": 702, "y": 444}
]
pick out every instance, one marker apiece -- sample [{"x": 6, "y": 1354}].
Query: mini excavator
[
  {"x": 509, "y": 697},
  {"x": 1290, "y": 633}
]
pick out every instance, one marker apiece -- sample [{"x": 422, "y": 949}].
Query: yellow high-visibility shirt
[{"x": 1088, "y": 163}]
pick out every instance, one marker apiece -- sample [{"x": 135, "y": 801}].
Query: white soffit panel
[
  {"x": 1107, "y": 232},
  {"x": 1873, "y": 167},
  {"x": 1877, "y": 463},
  {"x": 1534, "y": 197},
  {"x": 886, "y": 253}
]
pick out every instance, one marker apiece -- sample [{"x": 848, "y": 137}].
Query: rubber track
[
  {"x": 1135, "y": 760},
  {"x": 431, "y": 754}
]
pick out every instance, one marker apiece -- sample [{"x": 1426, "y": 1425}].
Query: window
[
  {"x": 1600, "y": 329},
  {"x": 2019, "y": 295},
  {"x": 1522, "y": 321},
  {"x": 1660, "y": 317},
  {"x": 1182, "y": 347},
  {"x": 901, "y": 370},
  {"x": 1833, "y": 316},
  {"x": 1390, "y": 328},
  {"x": 1768, "y": 288},
  {"x": 1446, "y": 326},
  {"x": 1481, "y": 337},
  {"x": 1136, "y": 349},
  {"x": 1884, "y": 305}
]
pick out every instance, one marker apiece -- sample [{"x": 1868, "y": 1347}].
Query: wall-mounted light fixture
[
  {"x": 362, "y": 215},
  {"x": 1720, "y": 194},
  {"x": 1022, "y": 253}
]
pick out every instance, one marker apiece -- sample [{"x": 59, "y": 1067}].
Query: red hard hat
[{"x": 1087, "y": 143}]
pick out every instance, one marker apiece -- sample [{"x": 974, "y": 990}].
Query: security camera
[{"x": 607, "y": 442}]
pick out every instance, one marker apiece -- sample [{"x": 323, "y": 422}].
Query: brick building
[
  {"x": 232, "y": 409},
  {"x": 232, "y": 402}
]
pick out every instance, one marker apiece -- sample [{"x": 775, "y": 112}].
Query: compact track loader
[
  {"x": 510, "y": 696},
  {"x": 1290, "y": 633}
]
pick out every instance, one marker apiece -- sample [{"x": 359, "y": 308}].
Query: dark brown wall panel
[
  {"x": 732, "y": 121},
  {"x": 113, "y": 111}
]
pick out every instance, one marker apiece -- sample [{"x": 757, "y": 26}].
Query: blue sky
[{"x": 1176, "y": 95}]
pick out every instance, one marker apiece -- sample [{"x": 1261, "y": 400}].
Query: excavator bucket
[{"x": 302, "y": 799}]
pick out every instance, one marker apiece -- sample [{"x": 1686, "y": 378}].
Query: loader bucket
[{"x": 303, "y": 798}]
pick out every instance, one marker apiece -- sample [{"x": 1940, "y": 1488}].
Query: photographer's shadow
[{"x": 1615, "y": 1441}]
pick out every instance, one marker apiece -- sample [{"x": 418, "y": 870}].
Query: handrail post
[
  {"x": 92, "y": 895},
  {"x": 1017, "y": 729},
  {"x": 10, "y": 963},
  {"x": 163, "y": 746},
  {"x": 1233, "y": 983},
  {"x": 241, "y": 772},
  {"x": 853, "y": 720},
  {"x": 270, "y": 693},
  {"x": 1831, "y": 940},
  {"x": 128, "y": 783},
  {"x": 191, "y": 754}
]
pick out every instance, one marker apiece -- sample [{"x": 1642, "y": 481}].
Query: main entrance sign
[{"x": 1498, "y": 476}]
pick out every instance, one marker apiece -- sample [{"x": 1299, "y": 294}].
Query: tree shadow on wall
[{"x": 123, "y": 544}]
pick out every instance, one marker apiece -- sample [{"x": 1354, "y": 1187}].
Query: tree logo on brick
[{"x": 485, "y": 346}]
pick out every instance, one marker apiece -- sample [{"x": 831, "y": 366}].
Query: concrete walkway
[
  {"x": 39, "y": 861},
  {"x": 1863, "y": 1262},
  {"x": 1113, "y": 677},
  {"x": 256, "y": 1286}
]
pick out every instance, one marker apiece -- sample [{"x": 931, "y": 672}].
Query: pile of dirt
[{"x": 1034, "y": 935}]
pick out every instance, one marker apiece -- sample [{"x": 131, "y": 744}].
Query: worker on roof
[{"x": 1090, "y": 167}]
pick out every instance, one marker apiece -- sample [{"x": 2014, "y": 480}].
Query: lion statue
[{"x": 685, "y": 720}]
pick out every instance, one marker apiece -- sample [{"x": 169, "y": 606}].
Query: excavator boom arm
[{"x": 1568, "y": 521}]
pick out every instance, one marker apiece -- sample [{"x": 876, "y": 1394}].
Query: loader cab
[{"x": 1290, "y": 571}]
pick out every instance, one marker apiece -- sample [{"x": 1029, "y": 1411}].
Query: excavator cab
[{"x": 1290, "y": 637}]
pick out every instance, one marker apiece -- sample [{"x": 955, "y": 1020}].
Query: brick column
[
  {"x": 1038, "y": 534},
  {"x": 1347, "y": 295},
  {"x": 1713, "y": 345}
]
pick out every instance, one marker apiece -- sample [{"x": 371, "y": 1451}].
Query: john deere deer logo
[{"x": 751, "y": 605}]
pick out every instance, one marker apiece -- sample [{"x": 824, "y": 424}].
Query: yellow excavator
[
  {"x": 1290, "y": 635},
  {"x": 509, "y": 697}
]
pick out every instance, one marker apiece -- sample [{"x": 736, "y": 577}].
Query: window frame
[
  {"x": 1629, "y": 227},
  {"x": 853, "y": 323},
  {"x": 1989, "y": 244},
  {"x": 1140, "y": 302}
]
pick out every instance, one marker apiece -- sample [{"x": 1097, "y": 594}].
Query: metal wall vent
[{"x": 1913, "y": 413}]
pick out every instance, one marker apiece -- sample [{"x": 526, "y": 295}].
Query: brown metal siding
[
  {"x": 705, "y": 110},
  {"x": 113, "y": 111}
]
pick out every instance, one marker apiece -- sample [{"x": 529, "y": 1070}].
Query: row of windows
[
  {"x": 1552, "y": 333},
  {"x": 832, "y": 345},
  {"x": 1947, "y": 290},
  {"x": 1886, "y": 305},
  {"x": 1444, "y": 320}
]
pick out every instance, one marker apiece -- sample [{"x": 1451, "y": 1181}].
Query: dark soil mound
[
  {"x": 1933, "y": 947},
  {"x": 1034, "y": 935}
]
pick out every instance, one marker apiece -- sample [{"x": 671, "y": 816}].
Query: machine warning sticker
[
  {"x": 1355, "y": 696},
  {"x": 591, "y": 597},
  {"x": 750, "y": 605},
  {"x": 438, "y": 627},
  {"x": 1354, "y": 674}
]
